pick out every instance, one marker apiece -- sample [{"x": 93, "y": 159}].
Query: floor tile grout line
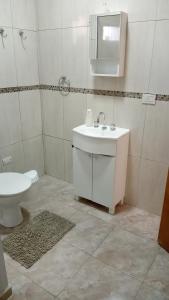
[
  {"x": 135, "y": 298},
  {"x": 30, "y": 279},
  {"x": 130, "y": 275},
  {"x": 115, "y": 226},
  {"x": 76, "y": 273},
  {"x": 67, "y": 280},
  {"x": 138, "y": 235}
]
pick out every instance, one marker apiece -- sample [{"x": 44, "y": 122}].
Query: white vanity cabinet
[
  {"x": 82, "y": 174},
  {"x": 100, "y": 165},
  {"x": 103, "y": 179}
]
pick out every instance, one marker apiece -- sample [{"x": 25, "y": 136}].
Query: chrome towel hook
[
  {"x": 3, "y": 36},
  {"x": 23, "y": 37},
  {"x": 64, "y": 86},
  {"x": 2, "y": 33}
]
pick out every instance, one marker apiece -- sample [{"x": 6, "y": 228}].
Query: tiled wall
[
  {"x": 20, "y": 112},
  {"x": 63, "y": 43},
  {"x": 64, "y": 50}
]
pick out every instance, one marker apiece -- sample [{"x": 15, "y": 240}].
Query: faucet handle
[
  {"x": 112, "y": 126},
  {"x": 96, "y": 124}
]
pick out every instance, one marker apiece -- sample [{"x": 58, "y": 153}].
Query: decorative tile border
[
  {"x": 16, "y": 89},
  {"x": 162, "y": 97},
  {"x": 120, "y": 94},
  {"x": 92, "y": 91}
]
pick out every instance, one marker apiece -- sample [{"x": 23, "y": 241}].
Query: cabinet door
[
  {"x": 82, "y": 173},
  {"x": 103, "y": 179}
]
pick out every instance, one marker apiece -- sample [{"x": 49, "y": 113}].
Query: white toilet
[{"x": 13, "y": 187}]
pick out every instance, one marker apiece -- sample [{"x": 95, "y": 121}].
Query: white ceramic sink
[
  {"x": 99, "y": 132},
  {"x": 98, "y": 140}
]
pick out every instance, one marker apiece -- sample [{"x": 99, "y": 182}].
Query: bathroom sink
[
  {"x": 100, "y": 132},
  {"x": 98, "y": 140}
]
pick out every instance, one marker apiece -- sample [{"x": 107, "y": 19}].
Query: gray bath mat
[{"x": 29, "y": 243}]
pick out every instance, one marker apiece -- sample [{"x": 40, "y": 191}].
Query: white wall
[
  {"x": 20, "y": 112},
  {"x": 63, "y": 39}
]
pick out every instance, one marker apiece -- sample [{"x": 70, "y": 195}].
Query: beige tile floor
[{"x": 103, "y": 258}]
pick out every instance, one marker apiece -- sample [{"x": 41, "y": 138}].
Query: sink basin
[
  {"x": 99, "y": 132},
  {"x": 98, "y": 140}
]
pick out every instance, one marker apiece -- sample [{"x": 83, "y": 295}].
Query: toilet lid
[{"x": 13, "y": 184}]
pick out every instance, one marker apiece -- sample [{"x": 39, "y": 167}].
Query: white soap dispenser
[{"x": 89, "y": 118}]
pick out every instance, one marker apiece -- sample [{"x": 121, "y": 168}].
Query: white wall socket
[
  {"x": 149, "y": 99},
  {"x": 7, "y": 160}
]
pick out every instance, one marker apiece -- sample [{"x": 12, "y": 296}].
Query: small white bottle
[{"x": 89, "y": 118}]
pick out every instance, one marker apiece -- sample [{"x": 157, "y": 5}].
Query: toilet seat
[{"x": 12, "y": 184}]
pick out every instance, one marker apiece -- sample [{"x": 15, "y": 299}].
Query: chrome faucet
[
  {"x": 101, "y": 114},
  {"x": 97, "y": 123}
]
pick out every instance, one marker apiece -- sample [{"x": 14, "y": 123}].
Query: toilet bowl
[{"x": 13, "y": 187}]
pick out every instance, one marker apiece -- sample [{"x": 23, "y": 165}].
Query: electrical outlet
[
  {"x": 149, "y": 99},
  {"x": 7, "y": 160}
]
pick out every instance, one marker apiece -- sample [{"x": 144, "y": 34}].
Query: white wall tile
[
  {"x": 137, "y": 10},
  {"x": 33, "y": 155},
  {"x": 68, "y": 158},
  {"x": 132, "y": 182},
  {"x": 24, "y": 14},
  {"x": 75, "y": 14},
  {"x": 141, "y": 10},
  {"x": 130, "y": 113},
  {"x": 5, "y": 13},
  {"x": 7, "y": 61},
  {"x": 52, "y": 103},
  {"x": 138, "y": 56},
  {"x": 16, "y": 152},
  {"x": 26, "y": 58},
  {"x": 163, "y": 9},
  {"x": 30, "y": 107},
  {"x": 160, "y": 63},
  {"x": 49, "y": 14},
  {"x": 50, "y": 56},
  {"x": 156, "y": 133},
  {"x": 101, "y": 6},
  {"x": 54, "y": 157},
  {"x": 101, "y": 103},
  {"x": 10, "y": 131},
  {"x": 102, "y": 83},
  {"x": 75, "y": 56},
  {"x": 74, "y": 113},
  {"x": 152, "y": 183}
]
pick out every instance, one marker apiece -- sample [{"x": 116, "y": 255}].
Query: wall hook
[
  {"x": 3, "y": 36},
  {"x": 23, "y": 37},
  {"x": 64, "y": 86},
  {"x": 2, "y": 33}
]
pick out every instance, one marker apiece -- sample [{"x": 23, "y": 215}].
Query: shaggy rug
[{"x": 27, "y": 244}]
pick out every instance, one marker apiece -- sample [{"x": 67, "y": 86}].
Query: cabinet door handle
[{"x": 102, "y": 155}]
